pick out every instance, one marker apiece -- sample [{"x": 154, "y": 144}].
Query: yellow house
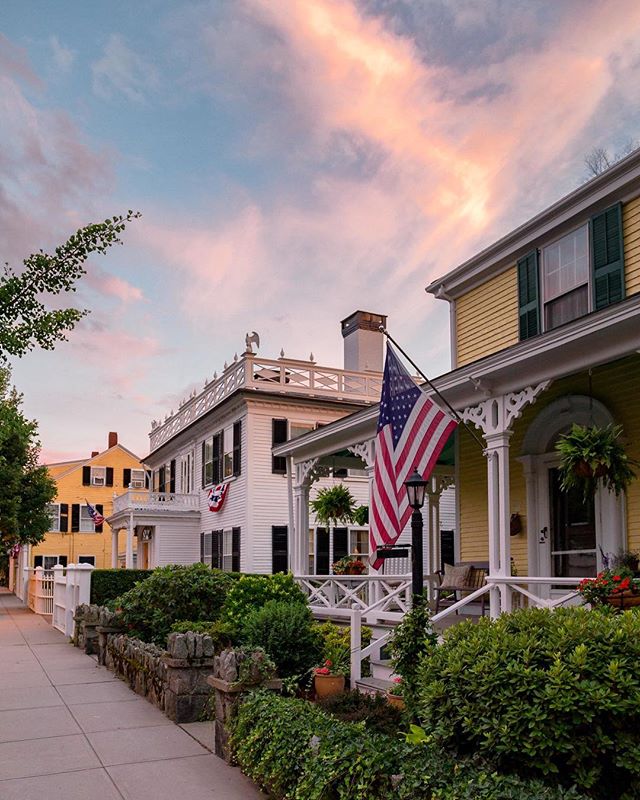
[
  {"x": 545, "y": 333},
  {"x": 74, "y": 538}
]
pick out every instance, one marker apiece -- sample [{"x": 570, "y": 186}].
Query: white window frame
[
  {"x": 227, "y": 550},
  {"x": 92, "y": 529},
  {"x": 137, "y": 482},
  {"x": 301, "y": 427},
  {"x": 98, "y": 476},
  {"x": 54, "y": 512},
  {"x": 53, "y": 561},
  {"x": 353, "y": 543},
  {"x": 544, "y": 293},
  {"x": 93, "y": 560},
  {"x": 312, "y": 551}
]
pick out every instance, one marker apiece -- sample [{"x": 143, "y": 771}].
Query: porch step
[
  {"x": 373, "y": 685},
  {"x": 382, "y": 669}
]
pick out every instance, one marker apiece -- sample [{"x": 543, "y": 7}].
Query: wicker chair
[{"x": 475, "y": 580}]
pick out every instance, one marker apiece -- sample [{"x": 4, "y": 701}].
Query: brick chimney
[
  {"x": 363, "y": 341},
  {"x": 113, "y": 439},
  {"x": 94, "y": 453}
]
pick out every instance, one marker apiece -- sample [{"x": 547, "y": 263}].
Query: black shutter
[
  {"x": 64, "y": 517},
  {"x": 62, "y": 560},
  {"x": 37, "y": 561},
  {"x": 202, "y": 467},
  {"x": 86, "y": 476},
  {"x": 340, "y": 472},
  {"x": 99, "y": 509},
  {"x": 340, "y": 543},
  {"x": 202, "y": 548},
  {"x": 109, "y": 476},
  {"x": 161, "y": 472},
  {"x": 172, "y": 476},
  {"x": 235, "y": 550},
  {"x": 607, "y": 257},
  {"x": 146, "y": 479},
  {"x": 447, "y": 551},
  {"x": 528, "y": 296},
  {"x": 75, "y": 518},
  {"x": 216, "y": 549},
  {"x": 217, "y": 459},
  {"x": 278, "y": 436},
  {"x": 322, "y": 551},
  {"x": 126, "y": 478},
  {"x": 279, "y": 548},
  {"x": 237, "y": 448}
]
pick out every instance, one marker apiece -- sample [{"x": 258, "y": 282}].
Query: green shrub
[
  {"x": 220, "y": 632},
  {"x": 107, "y": 584},
  {"x": 286, "y": 632},
  {"x": 171, "y": 594},
  {"x": 296, "y": 751},
  {"x": 336, "y": 646},
  {"x": 253, "y": 591},
  {"x": 555, "y": 694},
  {"x": 373, "y": 710}
]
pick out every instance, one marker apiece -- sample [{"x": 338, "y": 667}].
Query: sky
[{"x": 292, "y": 162}]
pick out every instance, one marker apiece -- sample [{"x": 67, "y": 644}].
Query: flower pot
[
  {"x": 623, "y": 600},
  {"x": 395, "y": 700},
  {"x": 328, "y": 685}
]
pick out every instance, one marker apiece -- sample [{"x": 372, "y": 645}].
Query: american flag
[
  {"x": 95, "y": 515},
  {"x": 412, "y": 430}
]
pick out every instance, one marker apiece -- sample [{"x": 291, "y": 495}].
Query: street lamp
[{"x": 416, "y": 489}]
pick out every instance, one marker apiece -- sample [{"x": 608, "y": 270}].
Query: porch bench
[{"x": 446, "y": 596}]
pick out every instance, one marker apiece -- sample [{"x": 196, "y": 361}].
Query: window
[
  {"x": 207, "y": 462},
  {"x": 49, "y": 562},
  {"x": 137, "y": 478},
  {"x": 186, "y": 473},
  {"x": 300, "y": 428},
  {"x": 224, "y": 549},
  {"x": 98, "y": 476},
  {"x": 86, "y": 522},
  {"x": 278, "y": 436},
  {"x": 227, "y": 438},
  {"x": 87, "y": 560},
  {"x": 54, "y": 513},
  {"x": 279, "y": 548},
  {"x": 359, "y": 543},
  {"x": 227, "y": 551},
  {"x": 312, "y": 551},
  {"x": 565, "y": 278}
]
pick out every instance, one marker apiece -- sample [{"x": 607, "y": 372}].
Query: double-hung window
[
  {"x": 565, "y": 278},
  {"x": 222, "y": 455},
  {"x": 54, "y": 513},
  {"x": 87, "y": 525}
]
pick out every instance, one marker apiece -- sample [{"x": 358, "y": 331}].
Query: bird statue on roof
[{"x": 250, "y": 339}]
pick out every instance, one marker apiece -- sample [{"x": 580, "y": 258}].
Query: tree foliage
[
  {"x": 26, "y": 318},
  {"x": 25, "y": 487},
  {"x": 599, "y": 159}
]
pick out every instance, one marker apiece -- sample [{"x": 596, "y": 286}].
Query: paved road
[{"x": 70, "y": 730}]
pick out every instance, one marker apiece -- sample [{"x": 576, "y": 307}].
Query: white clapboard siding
[{"x": 177, "y": 542}]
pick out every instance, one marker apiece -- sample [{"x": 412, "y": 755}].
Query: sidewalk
[{"x": 70, "y": 730}]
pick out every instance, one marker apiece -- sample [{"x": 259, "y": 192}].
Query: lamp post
[{"x": 416, "y": 489}]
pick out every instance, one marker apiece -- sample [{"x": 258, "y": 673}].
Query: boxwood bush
[
  {"x": 253, "y": 591},
  {"x": 286, "y": 632},
  {"x": 172, "y": 594},
  {"x": 549, "y": 693},
  {"x": 294, "y": 750},
  {"x": 107, "y": 584}
]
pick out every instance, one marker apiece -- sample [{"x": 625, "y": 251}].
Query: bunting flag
[
  {"x": 217, "y": 495},
  {"x": 412, "y": 430}
]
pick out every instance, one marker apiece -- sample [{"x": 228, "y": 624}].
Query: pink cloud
[{"x": 112, "y": 285}]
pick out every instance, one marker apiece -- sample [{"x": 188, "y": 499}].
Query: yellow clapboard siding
[
  {"x": 487, "y": 318},
  {"x": 631, "y": 233},
  {"x": 617, "y": 386}
]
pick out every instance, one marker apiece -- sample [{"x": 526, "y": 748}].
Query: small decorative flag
[
  {"x": 95, "y": 515},
  {"x": 217, "y": 496},
  {"x": 412, "y": 430}
]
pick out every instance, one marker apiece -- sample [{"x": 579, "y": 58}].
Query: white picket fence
[{"x": 71, "y": 588}]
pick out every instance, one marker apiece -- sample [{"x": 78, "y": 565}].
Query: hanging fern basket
[
  {"x": 334, "y": 505},
  {"x": 592, "y": 454}
]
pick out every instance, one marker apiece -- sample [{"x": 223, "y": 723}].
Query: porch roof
[{"x": 598, "y": 338}]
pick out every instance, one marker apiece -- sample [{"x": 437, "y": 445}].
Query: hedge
[
  {"x": 107, "y": 584},
  {"x": 549, "y": 693},
  {"x": 295, "y": 751}
]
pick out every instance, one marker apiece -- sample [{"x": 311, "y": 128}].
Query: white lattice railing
[
  {"x": 155, "y": 501},
  {"x": 264, "y": 374},
  {"x": 385, "y": 598}
]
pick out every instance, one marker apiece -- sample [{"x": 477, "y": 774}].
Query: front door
[{"x": 572, "y": 534}]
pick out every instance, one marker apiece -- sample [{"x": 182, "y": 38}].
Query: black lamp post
[{"x": 416, "y": 489}]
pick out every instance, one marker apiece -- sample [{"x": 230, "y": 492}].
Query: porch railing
[{"x": 155, "y": 501}]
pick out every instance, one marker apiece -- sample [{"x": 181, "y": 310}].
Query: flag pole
[{"x": 457, "y": 416}]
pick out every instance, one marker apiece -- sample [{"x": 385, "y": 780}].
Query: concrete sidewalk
[{"x": 70, "y": 730}]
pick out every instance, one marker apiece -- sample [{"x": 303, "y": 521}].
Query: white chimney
[{"x": 364, "y": 341}]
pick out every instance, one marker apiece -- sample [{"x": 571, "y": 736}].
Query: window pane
[
  {"x": 86, "y": 523},
  {"x": 566, "y": 263},
  {"x": 54, "y": 513},
  {"x": 299, "y": 429}
]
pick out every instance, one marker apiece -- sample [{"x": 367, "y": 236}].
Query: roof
[
  {"x": 72, "y": 465},
  {"x": 619, "y": 183}
]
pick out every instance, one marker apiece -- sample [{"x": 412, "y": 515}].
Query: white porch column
[
  {"x": 300, "y": 548},
  {"x": 129, "y": 549},
  {"x": 495, "y": 417},
  {"x": 114, "y": 548}
]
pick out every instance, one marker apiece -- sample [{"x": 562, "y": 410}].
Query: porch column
[
  {"x": 300, "y": 548},
  {"x": 128, "y": 562},
  {"x": 114, "y": 548}
]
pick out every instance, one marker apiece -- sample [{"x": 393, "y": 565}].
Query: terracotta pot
[
  {"x": 584, "y": 470},
  {"x": 624, "y": 600},
  {"x": 395, "y": 700},
  {"x": 328, "y": 685}
]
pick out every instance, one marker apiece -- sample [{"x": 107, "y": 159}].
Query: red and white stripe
[{"x": 425, "y": 434}]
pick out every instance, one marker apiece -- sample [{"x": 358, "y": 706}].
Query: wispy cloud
[
  {"x": 63, "y": 57},
  {"x": 123, "y": 71},
  {"x": 110, "y": 285}
]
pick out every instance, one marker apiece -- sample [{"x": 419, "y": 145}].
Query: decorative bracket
[
  {"x": 496, "y": 415},
  {"x": 309, "y": 471},
  {"x": 364, "y": 451}
]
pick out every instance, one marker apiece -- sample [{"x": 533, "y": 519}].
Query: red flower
[
  {"x": 323, "y": 671},
  {"x": 328, "y": 663},
  {"x": 397, "y": 680},
  {"x": 625, "y": 583},
  {"x": 617, "y": 578}
]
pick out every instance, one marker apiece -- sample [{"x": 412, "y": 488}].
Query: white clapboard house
[{"x": 223, "y": 437}]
